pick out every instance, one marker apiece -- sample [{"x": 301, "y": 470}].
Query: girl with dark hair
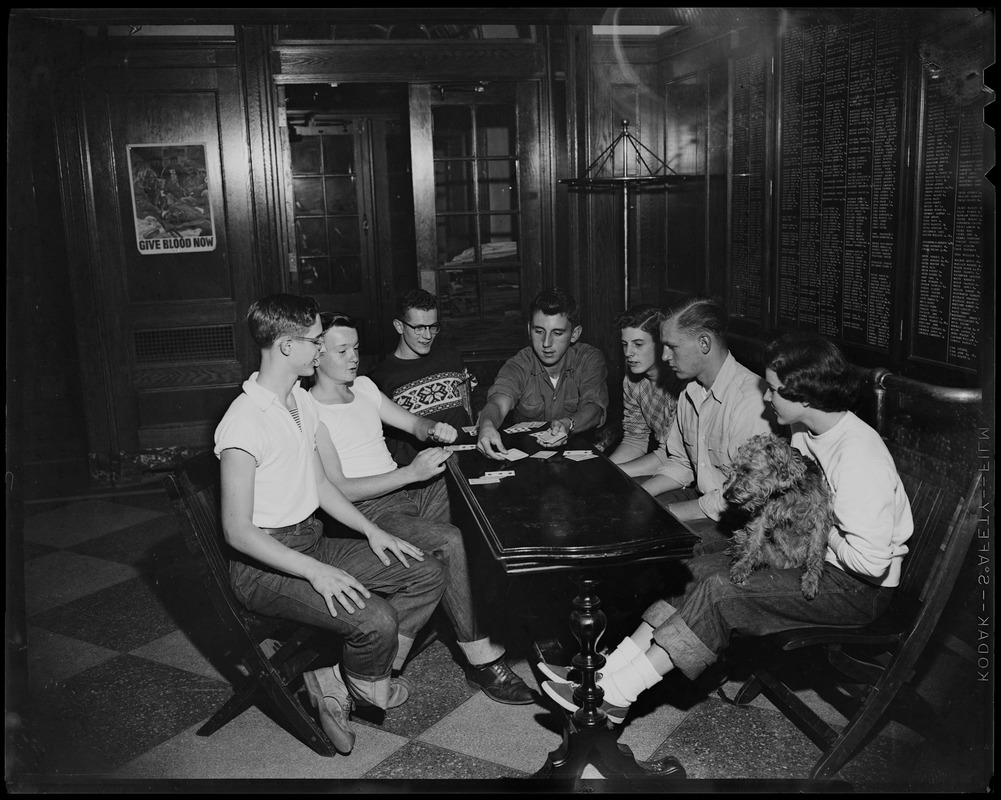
[
  {"x": 813, "y": 370},
  {"x": 649, "y": 393}
]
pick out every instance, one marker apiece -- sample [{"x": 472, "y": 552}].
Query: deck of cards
[{"x": 521, "y": 427}]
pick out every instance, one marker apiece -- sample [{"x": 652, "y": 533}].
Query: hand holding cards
[{"x": 550, "y": 438}]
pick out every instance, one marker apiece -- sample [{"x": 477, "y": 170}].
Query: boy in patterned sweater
[{"x": 424, "y": 375}]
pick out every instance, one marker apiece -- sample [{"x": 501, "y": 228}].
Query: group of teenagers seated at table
[{"x": 369, "y": 451}]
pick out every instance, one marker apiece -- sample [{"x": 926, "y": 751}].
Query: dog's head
[{"x": 764, "y": 466}]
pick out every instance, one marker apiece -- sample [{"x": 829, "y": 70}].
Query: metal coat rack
[{"x": 596, "y": 178}]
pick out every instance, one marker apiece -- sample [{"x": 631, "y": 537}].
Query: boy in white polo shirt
[{"x": 375, "y": 594}]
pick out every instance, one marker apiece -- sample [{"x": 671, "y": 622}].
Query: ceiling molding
[{"x": 504, "y": 16}]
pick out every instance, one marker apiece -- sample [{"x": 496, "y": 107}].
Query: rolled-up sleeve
[
  {"x": 511, "y": 379},
  {"x": 592, "y": 378}
]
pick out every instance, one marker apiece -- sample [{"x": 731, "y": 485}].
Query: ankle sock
[
  {"x": 623, "y": 686},
  {"x": 622, "y": 655}
]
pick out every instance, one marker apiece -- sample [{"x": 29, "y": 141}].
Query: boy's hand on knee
[
  {"x": 382, "y": 542},
  {"x": 333, "y": 584}
]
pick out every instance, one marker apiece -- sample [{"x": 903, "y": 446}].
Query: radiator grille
[{"x": 174, "y": 345}]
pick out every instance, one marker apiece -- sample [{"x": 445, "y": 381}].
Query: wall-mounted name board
[
  {"x": 948, "y": 285},
  {"x": 839, "y": 175},
  {"x": 749, "y": 199}
]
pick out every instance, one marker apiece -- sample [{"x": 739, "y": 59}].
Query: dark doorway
[{"x": 351, "y": 198}]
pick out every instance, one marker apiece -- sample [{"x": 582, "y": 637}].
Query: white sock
[
  {"x": 623, "y": 686},
  {"x": 622, "y": 655}
]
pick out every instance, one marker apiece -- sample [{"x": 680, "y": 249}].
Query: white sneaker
[
  {"x": 560, "y": 674},
  {"x": 562, "y": 693}
]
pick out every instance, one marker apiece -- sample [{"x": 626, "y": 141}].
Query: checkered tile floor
[{"x": 126, "y": 662}]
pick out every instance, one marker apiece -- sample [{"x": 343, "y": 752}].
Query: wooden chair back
[
  {"x": 944, "y": 487},
  {"x": 274, "y": 652}
]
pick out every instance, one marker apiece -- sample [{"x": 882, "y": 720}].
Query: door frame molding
[{"x": 269, "y": 65}]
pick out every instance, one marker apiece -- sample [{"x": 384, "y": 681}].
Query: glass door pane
[
  {"x": 476, "y": 157},
  {"x": 478, "y": 208}
]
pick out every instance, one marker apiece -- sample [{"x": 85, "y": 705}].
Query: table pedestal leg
[{"x": 587, "y": 736}]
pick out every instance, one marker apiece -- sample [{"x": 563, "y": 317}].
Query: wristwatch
[{"x": 572, "y": 424}]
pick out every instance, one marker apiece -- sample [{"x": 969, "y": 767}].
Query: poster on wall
[{"x": 170, "y": 199}]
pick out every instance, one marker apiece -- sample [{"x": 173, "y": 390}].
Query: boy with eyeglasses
[
  {"x": 375, "y": 592},
  {"x": 425, "y": 375}
]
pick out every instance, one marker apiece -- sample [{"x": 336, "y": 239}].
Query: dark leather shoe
[
  {"x": 551, "y": 651},
  {"x": 666, "y": 767},
  {"x": 500, "y": 683}
]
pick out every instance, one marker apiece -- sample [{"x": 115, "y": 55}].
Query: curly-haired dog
[{"x": 790, "y": 508}]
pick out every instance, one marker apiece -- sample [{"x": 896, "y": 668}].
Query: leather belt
[{"x": 297, "y": 527}]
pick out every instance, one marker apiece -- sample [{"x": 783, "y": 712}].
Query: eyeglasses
[
  {"x": 419, "y": 329},
  {"x": 317, "y": 342}
]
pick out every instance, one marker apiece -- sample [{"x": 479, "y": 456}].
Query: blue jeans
[
  {"x": 420, "y": 515},
  {"x": 370, "y": 634},
  {"x": 696, "y": 626}
]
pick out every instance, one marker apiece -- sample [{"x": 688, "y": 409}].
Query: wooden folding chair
[
  {"x": 944, "y": 504},
  {"x": 274, "y": 652}
]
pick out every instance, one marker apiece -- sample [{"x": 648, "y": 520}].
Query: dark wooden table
[{"x": 557, "y": 514}]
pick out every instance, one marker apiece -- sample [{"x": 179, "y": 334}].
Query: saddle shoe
[
  {"x": 562, "y": 693},
  {"x": 400, "y": 690},
  {"x": 334, "y": 710},
  {"x": 559, "y": 674}
]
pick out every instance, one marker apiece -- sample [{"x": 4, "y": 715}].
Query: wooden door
[{"x": 169, "y": 244}]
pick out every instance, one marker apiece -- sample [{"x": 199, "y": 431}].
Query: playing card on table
[
  {"x": 514, "y": 454},
  {"x": 577, "y": 453},
  {"x": 454, "y": 447},
  {"x": 506, "y": 473},
  {"x": 580, "y": 456},
  {"x": 544, "y": 454},
  {"x": 484, "y": 479}
]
